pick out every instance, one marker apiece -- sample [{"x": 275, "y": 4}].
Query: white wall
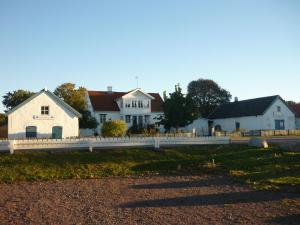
[
  {"x": 264, "y": 122},
  {"x": 200, "y": 125},
  {"x": 111, "y": 115},
  {"x": 246, "y": 123},
  {"x": 135, "y": 96},
  {"x": 298, "y": 123},
  {"x": 286, "y": 114},
  {"x": 30, "y": 115}
]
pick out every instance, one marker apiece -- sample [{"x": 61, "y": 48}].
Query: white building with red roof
[{"x": 135, "y": 106}]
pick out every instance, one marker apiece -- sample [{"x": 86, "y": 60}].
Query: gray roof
[
  {"x": 250, "y": 107},
  {"x": 51, "y": 95}
]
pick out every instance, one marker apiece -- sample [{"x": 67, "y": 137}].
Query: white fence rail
[{"x": 91, "y": 143}]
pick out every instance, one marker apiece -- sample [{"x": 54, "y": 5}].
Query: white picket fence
[{"x": 91, "y": 143}]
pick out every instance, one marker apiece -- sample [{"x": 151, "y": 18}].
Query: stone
[{"x": 258, "y": 142}]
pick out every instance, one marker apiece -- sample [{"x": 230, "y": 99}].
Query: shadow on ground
[
  {"x": 288, "y": 220},
  {"x": 186, "y": 184},
  {"x": 211, "y": 199}
]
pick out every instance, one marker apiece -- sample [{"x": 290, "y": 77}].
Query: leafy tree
[
  {"x": 114, "y": 128},
  {"x": 12, "y": 99},
  {"x": 291, "y": 102},
  {"x": 87, "y": 120},
  {"x": 76, "y": 98},
  {"x": 207, "y": 95},
  {"x": 3, "y": 119},
  {"x": 179, "y": 110}
]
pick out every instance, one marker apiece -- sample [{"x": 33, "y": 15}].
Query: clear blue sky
[{"x": 251, "y": 48}]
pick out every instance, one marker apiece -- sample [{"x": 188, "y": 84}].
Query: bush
[
  {"x": 114, "y": 128},
  {"x": 148, "y": 130}
]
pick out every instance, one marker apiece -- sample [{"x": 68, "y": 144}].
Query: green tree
[
  {"x": 75, "y": 97},
  {"x": 3, "y": 119},
  {"x": 12, "y": 99},
  {"x": 207, "y": 95},
  {"x": 114, "y": 128},
  {"x": 179, "y": 110}
]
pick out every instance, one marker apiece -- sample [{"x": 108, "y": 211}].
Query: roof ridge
[{"x": 251, "y": 99}]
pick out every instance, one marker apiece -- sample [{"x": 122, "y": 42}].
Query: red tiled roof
[
  {"x": 104, "y": 101},
  {"x": 296, "y": 109}
]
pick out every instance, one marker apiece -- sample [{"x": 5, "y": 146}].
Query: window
[
  {"x": 278, "y": 109},
  {"x": 128, "y": 118},
  {"x": 140, "y": 104},
  {"x": 102, "y": 118},
  {"x": 133, "y": 104},
  {"x": 147, "y": 105},
  {"x": 45, "y": 110},
  {"x": 127, "y": 105}
]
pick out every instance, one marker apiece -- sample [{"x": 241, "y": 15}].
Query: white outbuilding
[
  {"x": 43, "y": 115},
  {"x": 266, "y": 113}
]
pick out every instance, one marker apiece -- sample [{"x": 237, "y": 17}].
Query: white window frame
[
  {"x": 128, "y": 119},
  {"x": 102, "y": 118}
]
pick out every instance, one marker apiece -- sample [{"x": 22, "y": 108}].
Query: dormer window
[{"x": 45, "y": 110}]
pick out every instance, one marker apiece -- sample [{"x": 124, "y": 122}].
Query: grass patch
[{"x": 264, "y": 169}]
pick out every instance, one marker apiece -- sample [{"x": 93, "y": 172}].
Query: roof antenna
[{"x": 137, "y": 81}]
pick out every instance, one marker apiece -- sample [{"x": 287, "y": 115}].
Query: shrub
[
  {"x": 114, "y": 128},
  {"x": 149, "y": 130}
]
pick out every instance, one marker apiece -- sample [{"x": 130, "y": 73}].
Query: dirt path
[{"x": 146, "y": 200}]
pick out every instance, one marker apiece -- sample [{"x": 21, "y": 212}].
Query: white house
[
  {"x": 267, "y": 113},
  {"x": 43, "y": 115},
  {"x": 135, "y": 106},
  {"x": 296, "y": 109}
]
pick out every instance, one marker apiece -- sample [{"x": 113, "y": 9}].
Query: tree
[
  {"x": 179, "y": 110},
  {"x": 76, "y": 98},
  {"x": 291, "y": 102},
  {"x": 87, "y": 120},
  {"x": 207, "y": 95},
  {"x": 114, "y": 128},
  {"x": 3, "y": 119},
  {"x": 12, "y": 99}
]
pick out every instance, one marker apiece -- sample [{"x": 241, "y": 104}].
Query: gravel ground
[{"x": 146, "y": 200}]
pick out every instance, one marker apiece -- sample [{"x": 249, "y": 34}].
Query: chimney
[
  {"x": 109, "y": 90},
  {"x": 236, "y": 99}
]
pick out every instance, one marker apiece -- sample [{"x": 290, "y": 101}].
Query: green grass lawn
[{"x": 263, "y": 169}]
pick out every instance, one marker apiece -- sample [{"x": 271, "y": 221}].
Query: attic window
[
  {"x": 278, "y": 109},
  {"x": 45, "y": 110}
]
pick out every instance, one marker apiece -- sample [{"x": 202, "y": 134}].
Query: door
[
  {"x": 237, "y": 126},
  {"x": 279, "y": 125},
  {"x": 57, "y": 132},
  {"x": 31, "y": 132},
  {"x": 141, "y": 121},
  {"x": 134, "y": 120}
]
